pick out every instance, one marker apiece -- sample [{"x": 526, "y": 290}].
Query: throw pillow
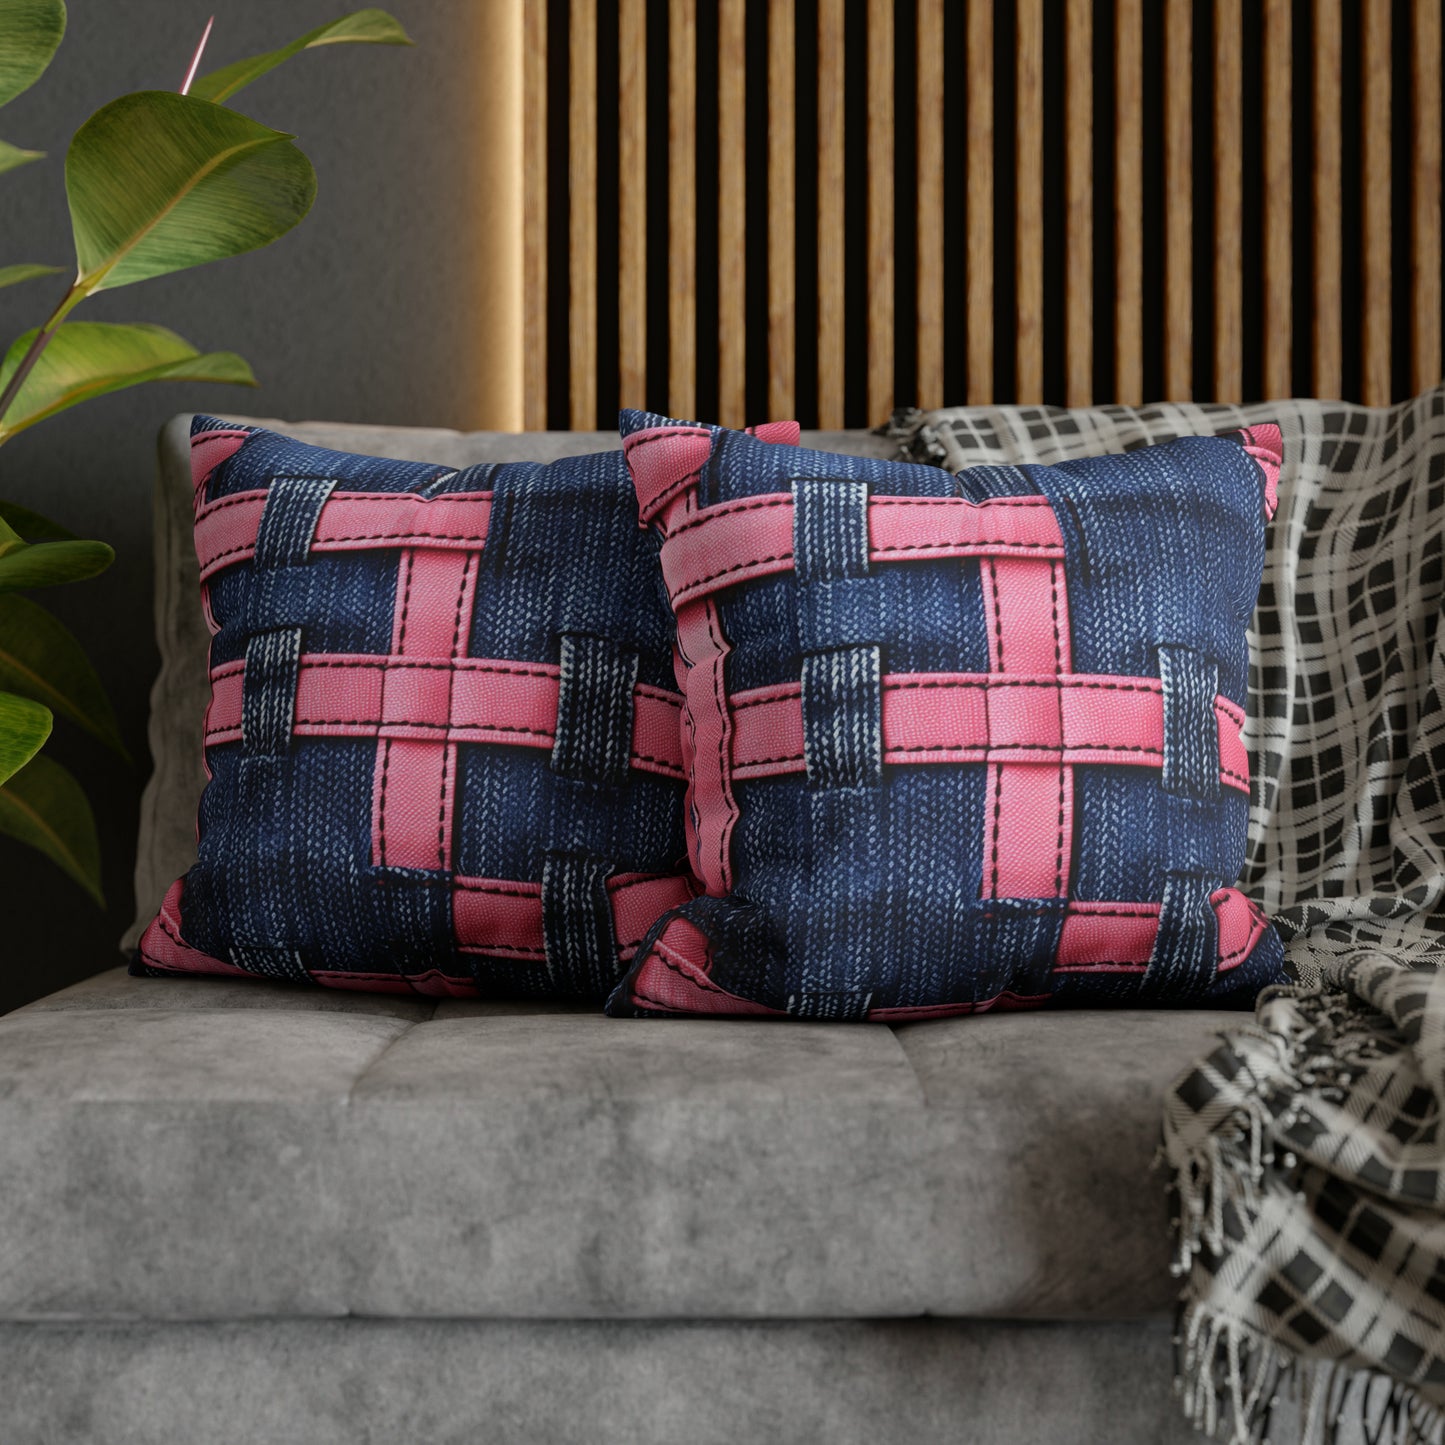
[
  {"x": 442, "y": 742},
  {"x": 957, "y": 742}
]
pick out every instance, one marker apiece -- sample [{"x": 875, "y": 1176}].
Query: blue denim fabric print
[
  {"x": 443, "y": 739},
  {"x": 957, "y": 742}
]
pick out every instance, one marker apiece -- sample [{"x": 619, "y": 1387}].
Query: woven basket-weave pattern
[
  {"x": 957, "y": 742},
  {"x": 443, "y": 737}
]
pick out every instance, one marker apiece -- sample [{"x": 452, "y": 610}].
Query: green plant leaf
[
  {"x": 159, "y": 182},
  {"x": 40, "y": 659},
  {"x": 30, "y": 33},
  {"x": 89, "y": 358},
  {"x": 47, "y": 564},
  {"x": 12, "y": 157},
  {"x": 25, "y": 271},
  {"x": 24, "y": 726},
  {"x": 364, "y": 27},
  {"x": 43, "y": 805},
  {"x": 20, "y": 521}
]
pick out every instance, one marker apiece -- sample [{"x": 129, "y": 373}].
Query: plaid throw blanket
[{"x": 1306, "y": 1149}]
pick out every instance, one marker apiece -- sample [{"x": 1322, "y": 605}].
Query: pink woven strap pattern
[
  {"x": 477, "y": 700},
  {"x": 667, "y": 491},
  {"x": 426, "y": 696},
  {"x": 419, "y": 702},
  {"x": 1099, "y": 938},
  {"x": 349, "y": 522},
  {"x": 733, "y": 542},
  {"x": 493, "y": 917},
  {"x": 1031, "y": 721},
  {"x": 989, "y": 718}
]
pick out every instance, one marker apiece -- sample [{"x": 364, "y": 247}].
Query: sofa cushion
[
  {"x": 958, "y": 742},
  {"x": 212, "y": 1149},
  {"x": 544, "y": 1382},
  {"x": 167, "y": 843}
]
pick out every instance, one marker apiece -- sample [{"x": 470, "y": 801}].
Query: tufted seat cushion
[{"x": 176, "y": 1149}]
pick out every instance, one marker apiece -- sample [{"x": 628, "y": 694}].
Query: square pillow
[
  {"x": 957, "y": 742},
  {"x": 443, "y": 742}
]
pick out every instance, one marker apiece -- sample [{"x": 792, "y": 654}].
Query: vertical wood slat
[
  {"x": 782, "y": 182},
  {"x": 1326, "y": 189},
  {"x": 1278, "y": 219},
  {"x": 1029, "y": 202},
  {"x": 499, "y": 333},
  {"x": 682, "y": 207},
  {"x": 1375, "y": 219},
  {"x": 1079, "y": 203},
  {"x": 1228, "y": 203},
  {"x": 1128, "y": 202},
  {"x": 880, "y": 210},
  {"x": 831, "y": 82},
  {"x": 1178, "y": 203},
  {"x": 1425, "y": 217},
  {"x": 928, "y": 325},
  {"x": 632, "y": 203},
  {"x": 732, "y": 62},
  {"x": 582, "y": 213},
  {"x": 980, "y": 201},
  {"x": 534, "y": 215}
]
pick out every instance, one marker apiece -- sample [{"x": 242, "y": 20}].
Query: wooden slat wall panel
[
  {"x": 1326, "y": 188},
  {"x": 782, "y": 233},
  {"x": 1228, "y": 204},
  {"x": 1425, "y": 218},
  {"x": 1079, "y": 203},
  {"x": 880, "y": 207},
  {"x": 831, "y": 81},
  {"x": 682, "y": 208},
  {"x": 1358, "y": 327},
  {"x": 1029, "y": 201},
  {"x": 732, "y": 316},
  {"x": 1375, "y": 200},
  {"x": 1278, "y": 316},
  {"x": 632, "y": 202},
  {"x": 1128, "y": 202},
  {"x": 979, "y": 259},
  {"x": 1178, "y": 202},
  {"x": 534, "y": 216},
  {"x": 929, "y": 216},
  {"x": 582, "y": 226}
]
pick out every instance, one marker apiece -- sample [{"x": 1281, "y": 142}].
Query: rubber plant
[{"x": 157, "y": 181}]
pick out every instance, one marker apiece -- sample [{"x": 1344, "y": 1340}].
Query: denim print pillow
[
  {"x": 443, "y": 739},
  {"x": 957, "y": 743}
]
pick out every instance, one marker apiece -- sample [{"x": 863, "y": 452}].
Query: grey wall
[{"x": 364, "y": 313}]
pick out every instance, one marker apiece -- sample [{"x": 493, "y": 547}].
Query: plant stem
[
  {"x": 33, "y": 353},
  {"x": 27, "y": 364}
]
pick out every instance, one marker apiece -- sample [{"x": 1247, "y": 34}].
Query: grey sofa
[{"x": 239, "y": 1214}]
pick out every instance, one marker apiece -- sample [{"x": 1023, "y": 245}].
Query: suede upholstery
[
  {"x": 182, "y": 1149},
  {"x": 378, "y": 1382}
]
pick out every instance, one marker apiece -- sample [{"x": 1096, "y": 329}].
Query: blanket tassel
[
  {"x": 1232, "y": 1384},
  {"x": 1231, "y": 1380}
]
